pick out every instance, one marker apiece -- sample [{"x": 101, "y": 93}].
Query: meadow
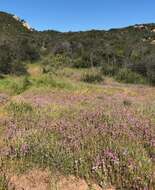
[{"x": 74, "y": 131}]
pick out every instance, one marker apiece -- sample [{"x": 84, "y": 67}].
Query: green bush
[
  {"x": 127, "y": 76},
  {"x": 18, "y": 68},
  {"x": 81, "y": 62},
  {"x": 78, "y": 63},
  {"x": 151, "y": 75},
  {"x": 109, "y": 70},
  {"x": 9, "y": 64},
  {"x": 55, "y": 62}
]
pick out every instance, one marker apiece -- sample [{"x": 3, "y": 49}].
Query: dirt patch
[
  {"x": 41, "y": 180},
  {"x": 3, "y": 98},
  {"x": 73, "y": 183},
  {"x": 34, "y": 180}
]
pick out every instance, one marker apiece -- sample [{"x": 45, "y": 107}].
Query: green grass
[
  {"x": 3, "y": 182},
  {"x": 18, "y": 85},
  {"x": 14, "y": 85}
]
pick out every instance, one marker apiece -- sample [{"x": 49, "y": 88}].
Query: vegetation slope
[{"x": 63, "y": 112}]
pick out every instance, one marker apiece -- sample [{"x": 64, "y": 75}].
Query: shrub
[
  {"x": 127, "y": 76},
  {"x": 81, "y": 62},
  {"x": 55, "y": 62},
  {"x": 18, "y": 68},
  {"x": 109, "y": 70},
  {"x": 92, "y": 77},
  {"x": 151, "y": 74},
  {"x": 12, "y": 67},
  {"x": 78, "y": 63},
  {"x": 9, "y": 64},
  {"x": 127, "y": 103}
]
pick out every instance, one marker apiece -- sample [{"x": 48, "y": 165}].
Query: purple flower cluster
[
  {"x": 105, "y": 156},
  {"x": 24, "y": 149}
]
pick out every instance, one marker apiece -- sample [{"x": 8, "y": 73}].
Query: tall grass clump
[
  {"x": 3, "y": 182},
  {"x": 21, "y": 85},
  {"x": 19, "y": 109},
  {"x": 92, "y": 77},
  {"x": 49, "y": 80}
]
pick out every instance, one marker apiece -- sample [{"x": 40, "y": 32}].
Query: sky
[{"x": 81, "y": 15}]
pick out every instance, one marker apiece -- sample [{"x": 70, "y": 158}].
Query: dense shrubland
[{"x": 114, "y": 50}]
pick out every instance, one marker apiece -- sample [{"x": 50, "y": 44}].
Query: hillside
[
  {"x": 77, "y": 109},
  {"x": 11, "y": 26},
  {"x": 131, "y": 47}
]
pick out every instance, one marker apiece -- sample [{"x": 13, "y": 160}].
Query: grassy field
[{"x": 59, "y": 130}]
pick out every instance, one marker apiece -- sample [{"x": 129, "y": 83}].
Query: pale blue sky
[{"x": 75, "y": 15}]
